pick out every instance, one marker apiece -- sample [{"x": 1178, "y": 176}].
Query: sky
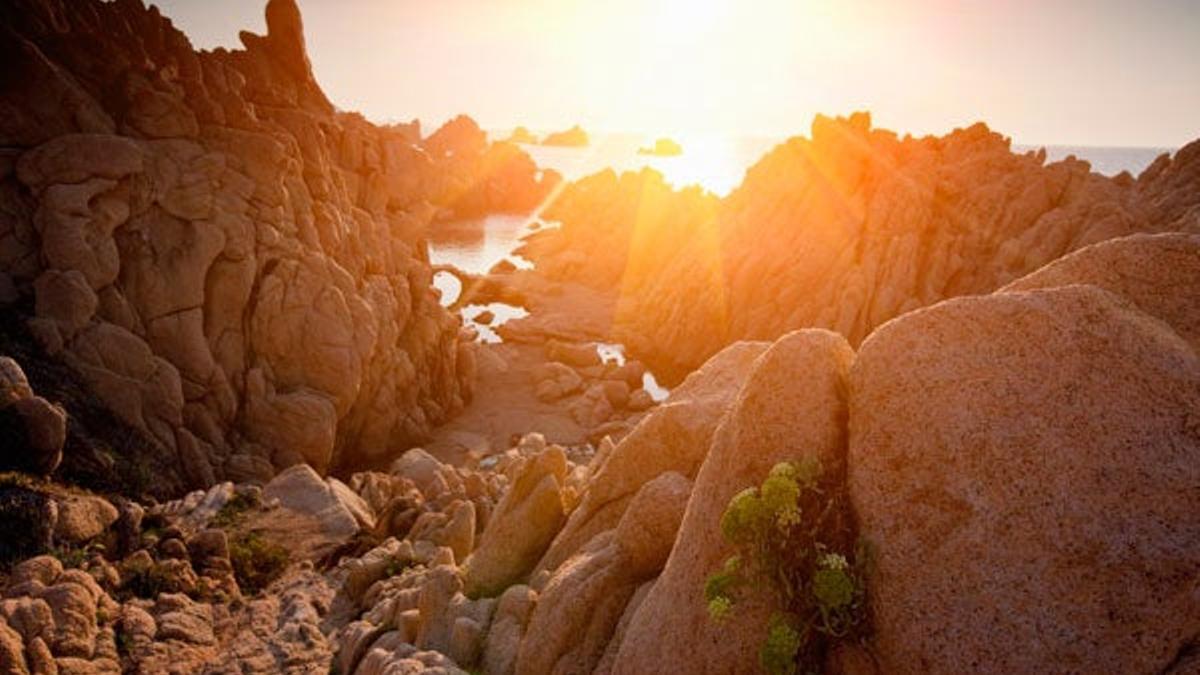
[{"x": 1067, "y": 72}]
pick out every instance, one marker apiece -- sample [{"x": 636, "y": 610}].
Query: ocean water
[{"x": 719, "y": 164}]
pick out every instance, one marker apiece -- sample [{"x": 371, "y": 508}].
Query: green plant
[
  {"x": 147, "y": 581},
  {"x": 256, "y": 561},
  {"x": 793, "y": 535},
  {"x": 71, "y": 557},
  {"x": 234, "y": 510}
]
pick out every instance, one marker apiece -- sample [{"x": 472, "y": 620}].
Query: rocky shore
[{"x": 935, "y": 404}]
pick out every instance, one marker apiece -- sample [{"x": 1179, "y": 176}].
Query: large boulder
[
  {"x": 1158, "y": 273},
  {"x": 674, "y": 437},
  {"x": 1024, "y": 466},
  {"x": 792, "y": 407},
  {"x": 339, "y": 512},
  {"x": 521, "y": 528}
]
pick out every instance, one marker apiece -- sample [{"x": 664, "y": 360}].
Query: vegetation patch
[
  {"x": 234, "y": 511},
  {"x": 793, "y": 535},
  {"x": 256, "y": 561}
]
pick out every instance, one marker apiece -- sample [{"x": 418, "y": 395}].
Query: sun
[{"x": 688, "y": 19}]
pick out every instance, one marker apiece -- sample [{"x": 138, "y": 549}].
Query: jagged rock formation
[
  {"x": 843, "y": 230},
  {"x": 234, "y": 267}
]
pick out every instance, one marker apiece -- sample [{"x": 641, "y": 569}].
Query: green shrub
[
  {"x": 256, "y": 561},
  {"x": 147, "y": 581},
  {"x": 234, "y": 511},
  {"x": 793, "y": 535}
]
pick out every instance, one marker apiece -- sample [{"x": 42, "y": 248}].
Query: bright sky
[{"x": 1072, "y": 72}]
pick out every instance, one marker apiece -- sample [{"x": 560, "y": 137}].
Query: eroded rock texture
[
  {"x": 235, "y": 268},
  {"x": 862, "y": 226}
]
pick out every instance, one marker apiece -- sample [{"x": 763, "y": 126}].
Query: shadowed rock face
[
  {"x": 843, "y": 230},
  {"x": 234, "y": 267}
]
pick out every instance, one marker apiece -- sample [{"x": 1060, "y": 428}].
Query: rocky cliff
[
  {"x": 842, "y": 230},
  {"x": 233, "y": 266}
]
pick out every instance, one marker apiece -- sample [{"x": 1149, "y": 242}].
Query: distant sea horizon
[{"x": 719, "y": 164}]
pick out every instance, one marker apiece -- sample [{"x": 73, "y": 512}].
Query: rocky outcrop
[
  {"x": 843, "y": 230},
  {"x": 673, "y": 438},
  {"x": 578, "y": 611},
  {"x": 1159, "y": 274},
  {"x": 575, "y": 137},
  {"x": 236, "y": 269},
  {"x": 525, "y": 522},
  {"x": 1024, "y": 465},
  {"x": 33, "y": 429},
  {"x": 792, "y": 407}
]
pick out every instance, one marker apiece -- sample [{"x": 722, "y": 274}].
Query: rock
[
  {"x": 581, "y": 605},
  {"x": 903, "y": 222},
  {"x": 617, "y": 393},
  {"x": 418, "y": 466},
  {"x": 1159, "y": 274},
  {"x": 573, "y": 137},
  {"x": 555, "y": 380},
  {"x": 674, "y": 437},
  {"x": 28, "y": 520},
  {"x": 508, "y": 626},
  {"x": 82, "y": 518},
  {"x": 45, "y": 432},
  {"x": 791, "y": 407},
  {"x": 524, "y": 523},
  {"x": 300, "y": 489},
  {"x": 12, "y": 651},
  {"x": 13, "y": 385},
  {"x": 1061, "y": 531},
  {"x": 577, "y": 355},
  {"x": 640, "y": 400}
]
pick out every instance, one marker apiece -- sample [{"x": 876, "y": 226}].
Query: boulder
[
  {"x": 300, "y": 489},
  {"x": 524, "y": 523},
  {"x": 1024, "y": 466},
  {"x": 1158, "y": 273},
  {"x": 82, "y": 518},
  {"x": 45, "y": 433},
  {"x": 791, "y": 407},
  {"x": 13, "y": 384},
  {"x": 674, "y": 437},
  {"x": 418, "y": 466},
  {"x": 579, "y": 609},
  {"x": 508, "y": 627}
]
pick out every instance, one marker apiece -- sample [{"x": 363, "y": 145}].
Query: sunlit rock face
[
  {"x": 234, "y": 266},
  {"x": 844, "y": 230}
]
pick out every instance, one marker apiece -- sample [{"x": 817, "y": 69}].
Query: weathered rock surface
[
  {"x": 674, "y": 437},
  {"x": 578, "y": 611},
  {"x": 1024, "y": 465},
  {"x": 843, "y": 230},
  {"x": 791, "y": 407},
  {"x": 1159, "y": 274},
  {"x": 218, "y": 251},
  {"x": 525, "y": 522}
]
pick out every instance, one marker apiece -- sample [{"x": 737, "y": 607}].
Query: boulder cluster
[
  {"x": 862, "y": 225},
  {"x": 235, "y": 268}
]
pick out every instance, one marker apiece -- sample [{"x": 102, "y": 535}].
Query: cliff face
[
  {"x": 233, "y": 266},
  {"x": 845, "y": 230}
]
